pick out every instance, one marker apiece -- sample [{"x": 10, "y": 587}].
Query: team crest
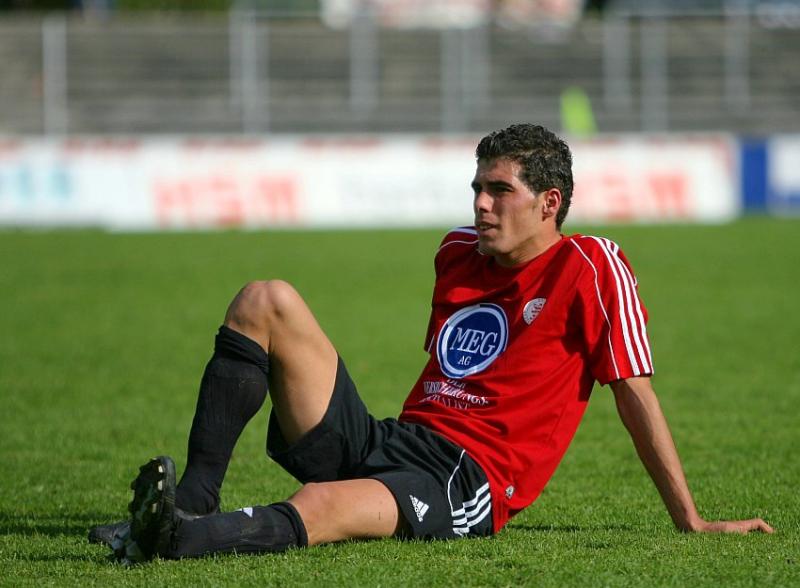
[
  {"x": 471, "y": 339},
  {"x": 532, "y": 309}
]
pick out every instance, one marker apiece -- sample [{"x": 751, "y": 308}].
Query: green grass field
[{"x": 103, "y": 338}]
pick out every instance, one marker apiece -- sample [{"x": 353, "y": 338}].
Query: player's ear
[{"x": 551, "y": 202}]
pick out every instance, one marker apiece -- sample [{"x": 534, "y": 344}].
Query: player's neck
[{"x": 529, "y": 250}]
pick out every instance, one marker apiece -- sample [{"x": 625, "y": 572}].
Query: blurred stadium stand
[{"x": 731, "y": 66}]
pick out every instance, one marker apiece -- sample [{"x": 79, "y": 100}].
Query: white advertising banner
[
  {"x": 783, "y": 174},
  {"x": 640, "y": 179},
  {"x": 292, "y": 181}
]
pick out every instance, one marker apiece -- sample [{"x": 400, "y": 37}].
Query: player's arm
[{"x": 641, "y": 413}]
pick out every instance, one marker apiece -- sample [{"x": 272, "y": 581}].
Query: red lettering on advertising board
[
  {"x": 222, "y": 143},
  {"x": 342, "y": 143},
  {"x": 99, "y": 146},
  {"x": 10, "y": 147},
  {"x": 276, "y": 199},
  {"x": 618, "y": 196},
  {"x": 670, "y": 194},
  {"x": 604, "y": 195},
  {"x": 225, "y": 201}
]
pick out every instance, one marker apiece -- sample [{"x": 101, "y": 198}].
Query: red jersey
[{"x": 514, "y": 353}]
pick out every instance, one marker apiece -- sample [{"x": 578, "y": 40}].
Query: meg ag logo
[{"x": 471, "y": 339}]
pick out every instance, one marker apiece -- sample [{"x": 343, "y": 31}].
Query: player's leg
[
  {"x": 269, "y": 336},
  {"x": 318, "y": 513},
  {"x": 347, "y": 509},
  {"x": 303, "y": 361},
  {"x": 304, "y": 373},
  {"x": 232, "y": 390}
]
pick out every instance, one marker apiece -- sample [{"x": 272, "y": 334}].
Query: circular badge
[{"x": 471, "y": 339}]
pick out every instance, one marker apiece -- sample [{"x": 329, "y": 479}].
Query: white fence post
[
  {"x": 655, "y": 87},
  {"x": 364, "y": 64},
  {"x": 451, "y": 113},
  {"x": 55, "y": 115},
  {"x": 249, "y": 93},
  {"x": 737, "y": 57},
  {"x": 617, "y": 62},
  {"x": 475, "y": 71}
]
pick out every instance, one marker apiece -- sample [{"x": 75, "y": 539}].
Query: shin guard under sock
[
  {"x": 256, "y": 529},
  {"x": 233, "y": 388}
]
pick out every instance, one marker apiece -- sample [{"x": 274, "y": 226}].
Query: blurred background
[{"x": 142, "y": 114}]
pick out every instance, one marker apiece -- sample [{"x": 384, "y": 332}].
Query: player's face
[{"x": 514, "y": 223}]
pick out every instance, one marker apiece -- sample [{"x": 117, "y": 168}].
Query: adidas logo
[{"x": 419, "y": 507}]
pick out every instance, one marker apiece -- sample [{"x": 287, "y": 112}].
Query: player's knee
[
  {"x": 264, "y": 302},
  {"x": 314, "y": 501}
]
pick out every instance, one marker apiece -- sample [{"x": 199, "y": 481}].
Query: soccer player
[{"x": 524, "y": 321}]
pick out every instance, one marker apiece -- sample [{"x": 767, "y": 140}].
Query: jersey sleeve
[{"x": 613, "y": 318}]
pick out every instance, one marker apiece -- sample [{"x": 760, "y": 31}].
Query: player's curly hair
[{"x": 545, "y": 159}]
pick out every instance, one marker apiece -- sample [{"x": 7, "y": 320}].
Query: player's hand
[{"x": 742, "y": 527}]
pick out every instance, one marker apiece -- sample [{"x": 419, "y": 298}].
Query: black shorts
[{"x": 441, "y": 491}]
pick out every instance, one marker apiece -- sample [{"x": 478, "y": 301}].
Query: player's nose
[{"x": 482, "y": 202}]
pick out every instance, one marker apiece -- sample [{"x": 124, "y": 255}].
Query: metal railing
[{"x": 245, "y": 73}]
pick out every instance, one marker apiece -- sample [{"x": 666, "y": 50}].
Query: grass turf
[{"x": 104, "y": 337}]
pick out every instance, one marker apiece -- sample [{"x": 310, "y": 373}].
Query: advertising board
[
  {"x": 783, "y": 174},
  {"x": 341, "y": 181}
]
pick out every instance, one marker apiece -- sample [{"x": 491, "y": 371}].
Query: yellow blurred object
[{"x": 577, "y": 117}]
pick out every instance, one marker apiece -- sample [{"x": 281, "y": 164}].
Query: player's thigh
[
  {"x": 303, "y": 361},
  {"x": 357, "y": 509}
]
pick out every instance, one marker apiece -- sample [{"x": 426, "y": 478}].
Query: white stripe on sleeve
[
  {"x": 602, "y": 307},
  {"x": 632, "y": 308},
  {"x": 621, "y": 289},
  {"x": 635, "y": 310}
]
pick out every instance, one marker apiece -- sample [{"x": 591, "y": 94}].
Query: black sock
[
  {"x": 256, "y": 529},
  {"x": 233, "y": 388}
]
